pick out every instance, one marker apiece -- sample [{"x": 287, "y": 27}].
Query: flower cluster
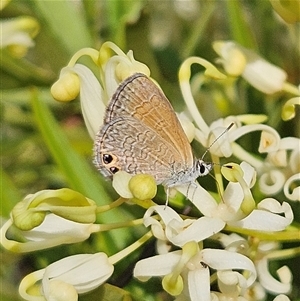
[{"x": 218, "y": 250}]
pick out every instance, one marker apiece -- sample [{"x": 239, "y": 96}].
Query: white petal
[
  {"x": 264, "y": 76},
  {"x": 221, "y": 144},
  {"x": 91, "y": 99},
  {"x": 268, "y": 281},
  {"x": 61, "y": 291},
  {"x": 199, "y": 230},
  {"x": 271, "y": 182},
  {"x": 55, "y": 231},
  {"x": 121, "y": 184},
  {"x": 54, "y": 226},
  {"x": 159, "y": 265},
  {"x": 229, "y": 210},
  {"x": 166, "y": 213},
  {"x": 295, "y": 194},
  {"x": 230, "y": 282},
  {"x": 84, "y": 271},
  {"x": 225, "y": 260},
  {"x": 269, "y": 141},
  {"x": 205, "y": 203},
  {"x": 262, "y": 220},
  {"x": 281, "y": 298},
  {"x": 199, "y": 284}
]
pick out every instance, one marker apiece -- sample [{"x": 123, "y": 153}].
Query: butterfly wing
[
  {"x": 141, "y": 98},
  {"x": 143, "y": 151}
]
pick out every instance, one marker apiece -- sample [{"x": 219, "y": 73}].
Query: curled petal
[
  {"x": 225, "y": 260},
  {"x": 291, "y": 185},
  {"x": 288, "y": 110},
  {"x": 274, "y": 206},
  {"x": 294, "y": 161},
  {"x": 229, "y": 282},
  {"x": 167, "y": 215},
  {"x": 269, "y": 282},
  {"x": 199, "y": 230},
  {"x": 269, "y": 141},
  {"x": 266, "y": 217},
  {"x": 271, "y": 182}
]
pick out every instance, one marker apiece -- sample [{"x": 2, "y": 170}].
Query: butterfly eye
[
  {"x": 202, "y": 169},
  {"x": 107, "y": 158}
]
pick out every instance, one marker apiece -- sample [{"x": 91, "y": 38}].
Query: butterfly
[{"x": 141, "y": 134}]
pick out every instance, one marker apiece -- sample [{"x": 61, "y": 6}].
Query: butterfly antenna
[{"x": 224, "y": 132}]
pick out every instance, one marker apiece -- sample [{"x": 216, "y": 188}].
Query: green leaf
[
  {"x": 66, "y": 23},
  {"x": 9, "y": 194},
  {"x": 240, "y": 30},
  {"x": 107, "y": 292}
]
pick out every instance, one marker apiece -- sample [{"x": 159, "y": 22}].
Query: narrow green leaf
[
  {"x": 66, "y": 23},
  {"x": 240, "y": 29}
]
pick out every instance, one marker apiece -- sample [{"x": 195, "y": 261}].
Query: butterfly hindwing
[{"x": 143, "y": 151}]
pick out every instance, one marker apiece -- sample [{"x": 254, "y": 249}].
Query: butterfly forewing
[{"x": 140, "y": 98}]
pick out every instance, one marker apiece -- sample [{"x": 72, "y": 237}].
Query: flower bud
[
  {"x": 67, "y": 87},
  {"x": 143, "y": 187}
]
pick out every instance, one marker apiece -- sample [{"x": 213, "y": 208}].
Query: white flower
[
  {"x": 263, "y": 255},
  {"x": 184, "y": 270},
  {"x": 266, "y": 217},
  {"x": 95, "y": 94},
  {"x": 281, "y": 169},
  {"x": 174, "y": 229},
  {"x": 17, "y": 34},
  {"x": 53, "y": 231},
  {"x": 262, "y": 75},
  {"x": 68, "y": 277},
  {"x": 225, "y": 145},
  {"x": 49, "y": 218},
  {"x": 281, "y": 286}
]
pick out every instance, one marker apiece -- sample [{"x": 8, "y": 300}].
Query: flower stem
[{"x": 122, "y": 254}]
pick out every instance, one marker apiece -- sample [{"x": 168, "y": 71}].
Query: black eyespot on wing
[
  {"x": 114, "y": 169},
  {"x": 107, "y": 158}
]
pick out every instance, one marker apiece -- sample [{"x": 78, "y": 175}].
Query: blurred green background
[{"x": 44, "y": 144}]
